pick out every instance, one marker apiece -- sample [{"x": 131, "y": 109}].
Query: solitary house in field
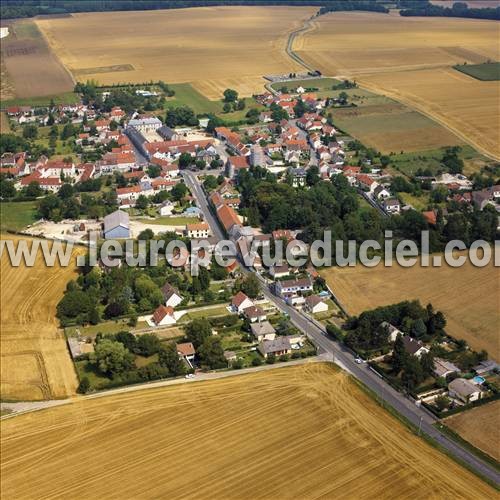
[{"x": 117, "y": 225}]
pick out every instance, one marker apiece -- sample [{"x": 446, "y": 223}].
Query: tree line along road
[{"x": 417, "y": 416}]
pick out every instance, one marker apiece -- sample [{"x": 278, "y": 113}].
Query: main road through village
[{"x": 418, "y": 416}]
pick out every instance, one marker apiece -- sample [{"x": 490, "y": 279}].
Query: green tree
[
  {"x": 146, "y": 235},
  {"x": 427, "y": 363},
  {"x": 83, "y": 386},
  {"x": 30, "y": 132},
  {"x": 442, "y": 402},
  {"x": 418, "y": 328},
  {"x": 7, "y": 189},
  {"x": 227, "y": 108},
  {"x": 230, "y": 95},
  {"x": 33, "y": 190},
  {"x": 413, "y": 374},
  {"x": 198, "y": 330},
  {"x": 179, "y": 191},
  {"x": 66, "y": 191},
  {"x": 185, "y": 160},
  {"x": 148, "y": 344},
  {"x": 399, "y": 355},
  {"x": 169, "y": 358},
  {"x": 211, "y": 353},
  {"x": 111, "y": 358},
  {"x": 300, "y": 108},
  {"x": 251, "y": 286},
  {"x": 142, "y": 202}
]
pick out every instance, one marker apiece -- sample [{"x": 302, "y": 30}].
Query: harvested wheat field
[
  {"x": 230, "y": 438},
  {"x": 480, "y": 426},
  {"x": 417, "y": 70},
  {"x": 35, "y": 363},
  {"x": 28, "y": 67},
  {"x": 213, "y": 48},
  {"x": 468, "y": 296}
]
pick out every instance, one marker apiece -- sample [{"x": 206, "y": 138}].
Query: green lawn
[
  {"x": 417, "y": 202},
  {"x": 186, "y": 94},
  {"x": 16, "y": 216},
  {"x": 409, "y": 163},
  {"x": 484, "y": 72},
  {"x": 104, "y": 327},
  {"x": 205, "y": 313}
]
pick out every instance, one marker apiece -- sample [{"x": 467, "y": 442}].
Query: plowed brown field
[
  {"x": 35, "y": 362},
  {"x": 301, "y": 432},
  {"x": 213, "y": 48}
]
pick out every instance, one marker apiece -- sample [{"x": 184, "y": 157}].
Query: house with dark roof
[
  {"x": 263, "y": 331},
  {"x": 414, "y": 347},
  {"x": 171, "y": 295},
  {"x": 278, "y": 347},
  {"x": 254, "y": 313}
]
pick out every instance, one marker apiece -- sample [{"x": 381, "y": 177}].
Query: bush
[
  {"x": 256, "y": 361},
  {"x": 271, "y": 359},
  {"x": 284, "y": 357},
  {"x": 83, "y": 386}
]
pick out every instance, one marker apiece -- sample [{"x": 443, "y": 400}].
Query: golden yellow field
[
  {"x": 468, "y": 296},
  {"x": 480, "y": 426},
  {"x": 213, "y": 48},
  {"x": 410, "y": 59},
  {"x": 35, "y": 363},
  {"x": 301, "y": 432}
]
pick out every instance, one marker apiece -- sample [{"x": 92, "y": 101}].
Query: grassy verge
[
  {"x": 104, "y": 327},
  {"x": 204, "y": 313},
  {"x": 465, "y": 444},
  {"x": 15, "y": 216}
]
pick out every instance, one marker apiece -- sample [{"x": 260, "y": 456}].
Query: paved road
[{"x": 344, "y": 358}]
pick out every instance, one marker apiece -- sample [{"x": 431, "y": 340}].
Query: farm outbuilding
[{"x": 117, "y": 225}]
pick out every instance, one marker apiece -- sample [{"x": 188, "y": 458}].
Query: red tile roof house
[
  {"x": 228, "y": 217},
  {"x": 234, "y": 164},
  {"x": 254, "y": 314},
  {"x": 366, "y": 182},
  {"x": 240, "y": 302},
  {"x": 186, "y": 351},
  {"x": 164, "y": 315}
]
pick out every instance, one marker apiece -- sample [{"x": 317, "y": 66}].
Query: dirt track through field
[
  {"x": 35, "y": 362},
  {"x": 297, "y": 432}
]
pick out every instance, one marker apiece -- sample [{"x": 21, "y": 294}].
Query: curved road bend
[{"x": 419, "y": 417}]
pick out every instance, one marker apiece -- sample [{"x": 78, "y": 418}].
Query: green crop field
[
  {"x": 486, "y": 72},
  {"x": 15, "y": 216}
]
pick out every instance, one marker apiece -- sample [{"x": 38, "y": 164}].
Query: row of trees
[{"x": 458, "y": 9}]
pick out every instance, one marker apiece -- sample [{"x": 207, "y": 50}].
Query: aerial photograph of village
[{"x": 249, "y": 249}]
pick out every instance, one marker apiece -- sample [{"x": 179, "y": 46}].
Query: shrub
[
  {"x": 256, "y": 361},
  {"x": 83, "y": 386}
]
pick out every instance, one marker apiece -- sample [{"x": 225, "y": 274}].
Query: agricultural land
[
  {"x": 485, "y": 71},
  {"x": 419, "y": 71},
  {"x": 35, "y": 362},
  {"x": 480, "y": 426},
  {"x": 212, "y": 48},
  {"x": 312, "y": 421},
  {"x": 28, "y": 66},
  {"x": 471, "y": 311}
]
